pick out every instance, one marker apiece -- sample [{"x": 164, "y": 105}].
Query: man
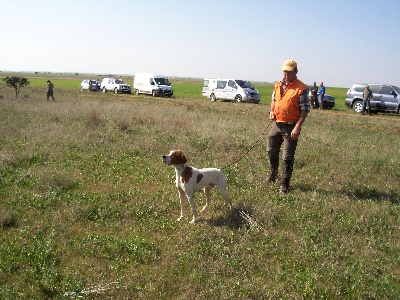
[
  {"x": 314, "y": 96},
  {"x": 367, "y": 96},
  {"x": 50, "y": 89},
  {"x": 321, "y": 94},
  {"x": 289, "y": 109}
]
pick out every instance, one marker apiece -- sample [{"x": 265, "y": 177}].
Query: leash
[{"x": 251, "y": 148}]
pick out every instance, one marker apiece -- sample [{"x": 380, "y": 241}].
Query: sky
[{"x": 338, "y": 42}]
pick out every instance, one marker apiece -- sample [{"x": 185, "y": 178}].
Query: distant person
[
  {"x": 367, "y": 96},
  {"x": 90, "y": 87},
  {"x": 321, "y": 94},
  {"x": 50, "y": 90},
  {"x": 289, "y": 109},
  {"x": 314, "y": 96}
]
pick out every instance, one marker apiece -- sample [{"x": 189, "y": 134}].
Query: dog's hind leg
[
  {"x": 207, "y": 192},
  {"x": 224, "y": 193}
]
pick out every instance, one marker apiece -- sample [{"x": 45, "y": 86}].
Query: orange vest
[{"x": 287, "y": 105}]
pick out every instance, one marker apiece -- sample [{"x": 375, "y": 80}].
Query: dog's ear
[{"x": 183, "y": 159}]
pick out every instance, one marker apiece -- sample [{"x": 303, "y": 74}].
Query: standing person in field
[
  {"x": 367, "y": 96},
  {"x": 321, "y": 94},
  {"x": 50, "y": 90},
  {"x": 289, "y": 109},
  {"x": 314, "y": 96}
]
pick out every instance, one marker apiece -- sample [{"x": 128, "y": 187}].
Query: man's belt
[{"x": 286, "y": 123}]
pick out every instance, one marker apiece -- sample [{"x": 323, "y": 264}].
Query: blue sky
[{"x": 338, "y": 42}]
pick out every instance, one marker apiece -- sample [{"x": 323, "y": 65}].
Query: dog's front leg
[
  {"x": 182, "y": 197},
  {"x": 193, "y": 205}
]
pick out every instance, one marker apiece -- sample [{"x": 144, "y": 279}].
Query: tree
[{"x": 16, "y": 83}]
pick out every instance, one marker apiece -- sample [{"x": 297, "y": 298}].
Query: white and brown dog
[{"x": 190, "y": 180}]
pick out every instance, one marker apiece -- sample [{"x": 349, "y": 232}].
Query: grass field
[
  {"x": 88, "y": 210},
  {"x": 183, "y": 88}
]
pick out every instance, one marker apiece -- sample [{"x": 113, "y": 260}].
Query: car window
[
  {"x": 387, "y": 90},
  {"x": 374, "y": 88},
  {"x": 396, "y": 88},
  {"x": 358, "y": 88},
  {"x": 245, "y": 84},
  {"x": 232, "y": 84},
  {"x": 221, "y": 84},
  {"x": 162, "y": 81}
]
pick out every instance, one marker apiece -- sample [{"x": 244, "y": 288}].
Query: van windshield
[
  {"x": 119, "y": 81},
  {"x": 245, "y": 84},
  {"x": 162, "y": 81}
]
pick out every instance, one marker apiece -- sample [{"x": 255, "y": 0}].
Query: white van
[
  {"x": 230, "y": 89},
  {"x": 155, "y": 85}
]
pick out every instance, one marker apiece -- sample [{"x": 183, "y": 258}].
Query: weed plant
[{"x": 88, "y": 210}]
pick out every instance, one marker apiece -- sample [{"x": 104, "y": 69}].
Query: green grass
[
  {"x": 183, "y": 89},
  {"x": 58, "y": 83},
  {"x": 88, "y": 209}
]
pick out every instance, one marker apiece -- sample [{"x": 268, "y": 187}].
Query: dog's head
[{"x": 175, "y": 157}]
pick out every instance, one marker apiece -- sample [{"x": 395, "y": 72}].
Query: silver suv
[
  {"x": 115, "y": 85},
  {"x": 385, "y": 98}
]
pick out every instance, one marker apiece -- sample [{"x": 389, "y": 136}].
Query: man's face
[{"x": 289, "y": 76}]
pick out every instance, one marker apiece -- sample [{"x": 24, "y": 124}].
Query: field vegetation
[{"x": 88, "y": 210}]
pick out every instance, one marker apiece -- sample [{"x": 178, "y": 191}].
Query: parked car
[
  {"x": 90, "y": 85},
  {"x": 327, "y": 103},
  {"x": 155, "y": 85},
  {"x": 230, "y": 89},
  {"x": 115, "y": 85},
  {"x": 385, "y": 97}
]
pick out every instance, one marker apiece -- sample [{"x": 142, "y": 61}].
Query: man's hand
[
  {"x": 294, "y": 135},
  {"x": 271, "y": 115}
]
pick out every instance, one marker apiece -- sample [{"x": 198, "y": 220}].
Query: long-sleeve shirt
[{"x": 367, "y": 95}]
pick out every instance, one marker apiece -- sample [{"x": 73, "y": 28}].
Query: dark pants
[
  {"x": 50, "y": 94},
  {"x": 314, "y": 101},
  {"x": 366, "y": 106},
  {"x": 278, "y": 135}
]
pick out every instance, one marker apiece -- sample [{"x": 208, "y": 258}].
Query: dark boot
[
  {"x": 273, "y": 168},
  {"x": 287, "y": 174}
]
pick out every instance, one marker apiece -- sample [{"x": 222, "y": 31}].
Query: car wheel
[
  {"x": 153, "y": 93},
  {"x": 137, "y": 92},
  {"x": 115, "y": 91},
  {"x": 238, "y": 98},
  {"x": 104, "y": 90},
  {"x": 398, "y": 109},
  {"x": 357, "y": 106},
  {"x": 212, "y": 97}
]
